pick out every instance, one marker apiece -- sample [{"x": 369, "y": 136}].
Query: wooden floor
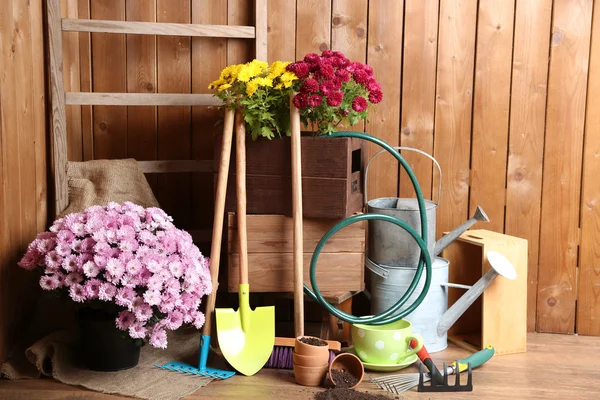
[{"x": 554, "y": 367}]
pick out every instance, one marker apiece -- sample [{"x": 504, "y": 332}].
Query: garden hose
[{"x": 391, "y": 314}]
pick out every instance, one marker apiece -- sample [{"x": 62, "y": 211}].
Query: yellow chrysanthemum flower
[
  {"x": 263, "y": 81},
  {"x": 251, "y": 69},
  {"x": 230, "y": 73},
  {"x": 276, "y": 69},
  {"x": 224, "y": 87},
  {"x": 279, "y": 86},
  {"x": 288, "y": 78},
  {"x": 251, "y": 87},
  {"x": 217, "y": 83}
]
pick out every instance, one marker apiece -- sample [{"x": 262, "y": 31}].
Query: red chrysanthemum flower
[
  {"x": 372, "y": 85},
  {"x": 310, "y": 85},
  {"x": 355, "y": 66},
  {"x": 368, "y": 69},
  {"x": 343, "y": 74},
  {"x": 375, "y": 96},
  {"x": 314, "y": 100},
  {"x": 312, "y": 58},
  {"x": 361, "y": 77},
  {"x": 327, "y": 53},
  {"x": 326, "y": 71},
  {"x": 335, "y": 62},
  {"x": 300, "y": 100},
  {"x": 335, "y": 99},
  {"x": 301, "y": 69},
  {"x": 327, "y": 87},
  {"x": 359, "y": 104},
  {"x": 337, "y": 83}
]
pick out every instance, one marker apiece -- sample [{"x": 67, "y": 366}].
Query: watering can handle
[{"x": 366, "y": 198}]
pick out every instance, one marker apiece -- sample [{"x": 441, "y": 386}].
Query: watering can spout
[{"x": 445, "y": 241}]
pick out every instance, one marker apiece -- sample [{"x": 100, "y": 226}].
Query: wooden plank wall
[
  {"x": 23, "y": 179},
  {"x": 502, "y": 92}
]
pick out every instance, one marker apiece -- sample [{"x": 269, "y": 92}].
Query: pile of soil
[
  {"x": 343, "y": 379},
  {"x": 313, "y": 341},
  {"x": 349, "y": 394}
]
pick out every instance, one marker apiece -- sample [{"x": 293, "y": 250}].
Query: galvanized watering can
[{"x": 392, "y": 257}]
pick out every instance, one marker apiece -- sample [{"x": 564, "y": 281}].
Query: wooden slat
[
  {"x": 58, "y": 139},
  {"x": 239, "y": 12},
  {"x": 142, "y": 142},
  {"x": 454, "y": 93},
  {"x": 143, "y": 99},
  {"x": 151, "y": 28},
  {"x": 418, "y": 91},
  {"x": 588, "y": 295},
  {"x": 260, "y": 17},
  {"x": 174, "y": 122},
  {"x": 205, "y": 128},
  {"x": 71, "y": 73},
  {"x": 109, "y": 60},
  {"x": 176, "y": 166},
  {"x": 565, "y": 116},
  {"x": 385, "y": 36},
  {"x": 526, "y": 143},
  {"x": 282, "y": 30},
  {"x": 85, "y": 70},
  {"x": 349, "y": 28},
  {"x": 490, "y": 110},
  {"x": 273, "y": 233},
  {"x": 313, "y": 27},
  {"x": 36, "y": 15}
]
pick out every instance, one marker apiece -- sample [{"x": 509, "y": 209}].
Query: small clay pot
[
  {"x": 310, "y": 376},
  {"x": 305, "y": 349},
  {"x": 347, "y": 362},
  {"x": 311, "y": 361}
]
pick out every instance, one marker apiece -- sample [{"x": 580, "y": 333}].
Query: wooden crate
[
  {"x": 331, "y": 177},
  {"x": 499, "y": 316},
  {"x": 340, "y": 267}
]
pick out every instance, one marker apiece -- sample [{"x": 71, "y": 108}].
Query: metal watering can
[{"x": 392, "y": 257}]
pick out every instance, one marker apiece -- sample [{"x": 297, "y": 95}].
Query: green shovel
[{"x": 246, "y": 336}]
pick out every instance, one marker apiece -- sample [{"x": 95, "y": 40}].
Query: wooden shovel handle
[
  {"x": 240, "y": 175},
  {"x": 297, "y": 214},
  {"x": 217, "y": 234}
]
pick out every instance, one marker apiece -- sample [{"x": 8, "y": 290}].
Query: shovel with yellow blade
[{"x": 246, "y": 336}]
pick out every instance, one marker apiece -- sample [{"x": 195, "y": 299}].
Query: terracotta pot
[
  {"x": 309, "y": 376},
  {"x": 348, "y": 362},
  {"x": 305, "y": 349},
  {"x": 311, "y": 361}
]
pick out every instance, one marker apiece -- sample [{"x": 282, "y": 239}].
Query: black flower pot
[{"x": 103, "y": 346}]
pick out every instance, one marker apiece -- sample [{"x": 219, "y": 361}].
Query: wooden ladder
[{"x": 60, "y": 99}]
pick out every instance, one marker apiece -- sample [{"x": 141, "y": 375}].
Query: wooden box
[
  {"x": 331, "y": 177},
  {"x": 270, "y": 245},
  {"x": 499, "y": 316}
]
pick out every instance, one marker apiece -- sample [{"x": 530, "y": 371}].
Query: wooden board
[
  {"x": 174, "y": 123},
  {"x": 526, "y": 142},
  {"x": 454, "y": 95},
  {"x": 565, "y": 115},
  {"x": 109, "y": 75},
  {"x": 281, "y": 30},
  {"x": 385, "y": 36},
  {"x": 273, "y": 233},
  {"x": 313, "y": 27},
  {"x": 85, "y": 70},
  {"x": 273, "y": 272},
  {"x": 418, "y": 91},
  {"x": 239, "y": 12},
  {"x": 491, "y": 106},
  {"x": 204, "y": 119},
  {"x": 141, "y": 78},
  {"x": 588, "y": 295}
]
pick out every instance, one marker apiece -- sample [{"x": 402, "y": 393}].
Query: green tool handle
[
  {"x": 425, "y": 358},
  {"x": 476, "y": 359}
]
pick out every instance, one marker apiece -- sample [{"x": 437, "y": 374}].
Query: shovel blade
[{"x": 246, "y": 345}]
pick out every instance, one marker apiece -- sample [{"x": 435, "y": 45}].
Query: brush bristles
[{"x": 283, "y": 358}]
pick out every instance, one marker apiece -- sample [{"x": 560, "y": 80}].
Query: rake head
[
  {"x": 444, "y": 386},
  {"x": 188, "y": 369}
]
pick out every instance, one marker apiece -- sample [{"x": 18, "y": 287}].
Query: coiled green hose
[{"x": 387, "y": 316}]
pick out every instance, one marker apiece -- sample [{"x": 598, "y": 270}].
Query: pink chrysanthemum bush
[
  {"x": 332, "y": 91},
  {"x": 129, "y": 259}
]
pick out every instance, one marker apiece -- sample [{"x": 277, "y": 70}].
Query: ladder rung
[
  {"x": 176, "y": 166},
  {"x": 157, "y": 28},
  {"x": 141, "y": 99}
]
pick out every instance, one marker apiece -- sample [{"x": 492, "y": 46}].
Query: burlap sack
[{"x": 99, "y": 182}]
